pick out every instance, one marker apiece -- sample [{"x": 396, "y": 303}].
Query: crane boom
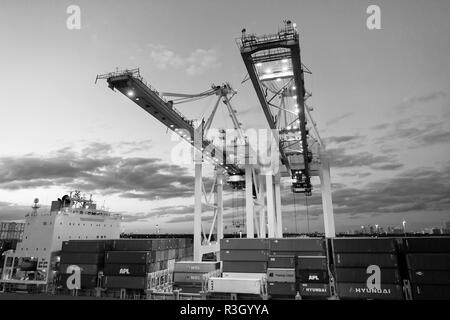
[{"x": 131, "y": 84}]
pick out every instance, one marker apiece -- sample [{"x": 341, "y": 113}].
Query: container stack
[
  {"x": 88, "y": 255},
  {"x": 130, "y": 261},
  {"x": 367, "y": 269},
  {"x": 244, "y": 258},
  {"x": 281, "y": 276},
  {"x": 188, "y": 275},
  {"x": 428, "y": 263},
  {"x": 311, "y": 265}
]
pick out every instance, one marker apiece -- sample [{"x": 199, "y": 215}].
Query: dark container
[
  {"x": 81, "y": 258},
  {"x": 430, "y": 261},
  {"x": 360, "y": 291},
  {"x": 365, "y": 260},
  {"x": 133, "y": 270},
  {"x": 360, "y": 275},
  {"x": 438, "y": 277},
  {"x": 124, "y": 282},
  {"x": 164, "y": 244},
  {"x": 87, "y": 281},
  {"x": 128, "y": 257},
  {"x": 196, "y": 267},
  {"x": 364, "y": 245},
  {"x": 186, "y": 288},
  {"x": 296, "y": 253},
  {"x": 244, "y": 244},
  {"x": 244, "y": 255},
  {"x": 297, "y": 244},
  {"x": 312, "y": 263},
  {"x": 245, "y": 266},
  {"x": 314, "y": 289},
  {"x": 430, "y": 292},
  {"x": 187, "y": 277},
  {"x": 91, "y": 246},
  {"x": 313, "y": 276},
  {"x": 86, "y": 269},
  {"x": 281, "y": 288},
  {"x": 133, "y": 245},
  {"x": 281, "y": 262},
  {"x": 424, "y": 245}
]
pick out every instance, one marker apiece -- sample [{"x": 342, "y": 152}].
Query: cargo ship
[{"x": 72, "y": 217}]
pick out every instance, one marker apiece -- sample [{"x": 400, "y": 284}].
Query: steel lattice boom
[{"x": 274, "y": 66}]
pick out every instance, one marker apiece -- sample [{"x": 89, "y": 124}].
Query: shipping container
[
  {"x": 187, "y": 288},
  {"x": 312, "y": 263},
  {"x": 430, "y": 292},
  {"x": 297, "y": 244},
  {"x": 244, "y": 255},
  {"x": 187, "y": 277},
  {"x": 315, "y": 290},
  {"x": 280, "y": 288},
  {"x": 361, "y": 291},
  {"x": 200, "y": 267},
  {"x": 241, "y": 275},
  {"x": 281, "y": 275},
  {"x": 133, "y": 245},
  {"x": 245, "y": 266},
  {"x": 230, "y": 285},
  {"x": 86, "y": 246},
  {"x": 312, "y": 276},
  {"x": 87, "y": 281},
  {"x": 82, "y": 258},
  {"x": 360, "y": 275},
  {"x": 430, "y": 261},
  {"x": 424, "y": 245},
  {"x": 281, "y": 262},
  {"x": 364, "y": 245},
  {"x": 125, "y": 282},
  {"x": 296, "y": 253},
  {"x": 244, "y": 244},
  {"x": 437, "y": 277},
  {"x": 88, "y": 269},
  {"x": 127, "y": 257},
  {"x": 365, "y": 260},
  {"x": 134, "y": 270}
]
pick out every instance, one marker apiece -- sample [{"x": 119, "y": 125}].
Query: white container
[
  {"x": 259, "y": 276},
  {"x": 234, "y": 285}
]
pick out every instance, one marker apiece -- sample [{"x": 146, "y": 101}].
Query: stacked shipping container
[
  {"x": 367, "y": 269},
  {"x": 428, "y": 264},
  {"x": 130, "y": 261},
  {"x": 88, "y": 255},
  {"x": 11, "y": 230},
  {"x": 188, "y": 276}
]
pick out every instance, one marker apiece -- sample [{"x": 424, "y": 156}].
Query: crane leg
[
  {"x": 327, "y": 204},
  {"x": 249, "y": 206},
  {"x": 198, "y": 212}
]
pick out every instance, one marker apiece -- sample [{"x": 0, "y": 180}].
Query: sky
[{"x": 381, "y": 101}]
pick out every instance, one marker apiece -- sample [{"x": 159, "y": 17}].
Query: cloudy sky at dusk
[{"x": 381, "y": 100}]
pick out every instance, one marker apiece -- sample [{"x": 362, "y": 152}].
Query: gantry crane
[
  {"x": 277, "y": 74},
  {"x": 132, "y": 84},
  {"x": 275, "y": 69}
]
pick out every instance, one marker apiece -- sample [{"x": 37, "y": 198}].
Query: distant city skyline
[{"x": 381, "y": 101}]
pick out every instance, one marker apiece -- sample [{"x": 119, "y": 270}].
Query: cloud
[
  {"x": 342, "y": 139},
  {"x": 13, "y": 212},
  {"x": 340, "y": 159},
  {"x": 195, "y": 63},
  {"x": 92, "y": 171},
  {"x": 418, "y": 122},
  {"x": 336, "y": 120}
]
